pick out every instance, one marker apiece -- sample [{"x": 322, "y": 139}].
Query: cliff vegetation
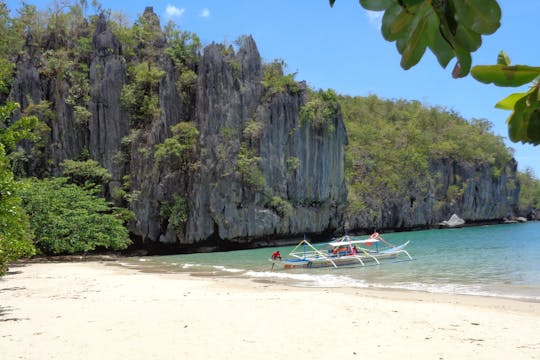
[{"x": 190, "y": 147}]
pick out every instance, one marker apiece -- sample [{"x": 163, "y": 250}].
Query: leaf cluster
[
  {"x": 15, "y": 233},
  {"x": 180, "y": 147},
  {"x": 12, "y": 134},
  {"x": 176, "y": 213},
  {"x": 275, "y": 81},
  {"x": 86, "y": 173},
  {"x": 281, "y": 206},
  {"x": 140, "y": 95},
  {"x": 67, "y": 219},
  {"x": 249, "y": 167},
  {"x": 524, "y": 122},
  {"x": 320, "y": 110},
  {"x": 449, "y": 28}
]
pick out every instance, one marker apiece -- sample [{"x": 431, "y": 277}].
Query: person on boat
[{"x": 276, "y": 255}]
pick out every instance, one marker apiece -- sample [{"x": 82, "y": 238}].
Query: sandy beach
[{"x": 96, "y": 310}]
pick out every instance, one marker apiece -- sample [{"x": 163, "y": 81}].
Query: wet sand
[{"x": 97, "y": 311}]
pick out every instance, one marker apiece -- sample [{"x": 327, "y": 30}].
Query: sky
[{"x": 342, "y": 48}]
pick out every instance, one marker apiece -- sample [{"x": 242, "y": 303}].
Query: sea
[{"x": 494, "y": 260}]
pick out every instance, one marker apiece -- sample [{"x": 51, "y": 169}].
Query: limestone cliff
[
  {"x": 470, "y": 190},
  {"x": 257, "y": 169},
  {"x": 224, "y": 204}
]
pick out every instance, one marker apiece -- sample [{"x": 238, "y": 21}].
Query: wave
[
  {"x": 226, "y": 269},
  {"x": 309, "y": 280}
]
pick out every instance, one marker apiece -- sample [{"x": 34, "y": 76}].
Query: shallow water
[{"x": 497, "y": 260}]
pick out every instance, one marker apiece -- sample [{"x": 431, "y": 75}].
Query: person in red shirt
[{"x": 276, "y": 255}]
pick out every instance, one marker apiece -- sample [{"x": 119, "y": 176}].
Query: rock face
[
  {"x": 109, "y": 123},
  {"x": 228, "y": 99},
  {"x": 256, "y": 171},
  {"x": 470, "y": 190}
]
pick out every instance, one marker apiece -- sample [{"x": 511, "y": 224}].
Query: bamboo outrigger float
[{"x": 345, "y": 251}]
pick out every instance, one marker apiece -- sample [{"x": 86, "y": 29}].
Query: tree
[
  {"x": 15, "y": 233},
  {"x": 68, "y": 219},
  {"x": 454, "y": 29}
]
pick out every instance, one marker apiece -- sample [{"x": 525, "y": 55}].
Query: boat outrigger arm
[
  {"x": 393, "y": 248},
  {"x": 317, "y": 251}
]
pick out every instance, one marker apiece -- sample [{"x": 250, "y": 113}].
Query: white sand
[{"x": 95, "y": 311}]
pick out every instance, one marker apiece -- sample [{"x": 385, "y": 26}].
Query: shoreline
[
  {"x": 139, "y": 263},
  {"x": 88, "y": 310},
  {"x": 160, "y": 249}
]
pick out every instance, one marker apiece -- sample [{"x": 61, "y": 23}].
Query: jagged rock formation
[
  {"x": 109, "y": 123},
  {"x": 257, "y": 170},
  {"x": 223, "y": 207}
]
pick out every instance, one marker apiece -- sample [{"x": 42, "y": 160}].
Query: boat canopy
[{"x": 352, "y": 242}]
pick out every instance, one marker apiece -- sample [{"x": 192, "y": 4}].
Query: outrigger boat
[{"x": 344, "y": 251}]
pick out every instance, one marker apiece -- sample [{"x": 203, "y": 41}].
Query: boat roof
[{"x": 352, "y": 242}]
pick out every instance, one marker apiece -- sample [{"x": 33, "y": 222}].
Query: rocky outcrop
[
  {"x": 257, "y": 171},
  {"x": 453, "y": 222},
  {"x": 230, "y": 98},
  {"x": 471, "y": 190},
  {"x": 109, "y": 123}
]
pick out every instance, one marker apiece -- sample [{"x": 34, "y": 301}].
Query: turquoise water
[{"x": 497, "y": 260}]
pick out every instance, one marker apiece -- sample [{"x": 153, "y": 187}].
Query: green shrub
[
  {"x": 275, "y": 81},
  {"x": 281, "y": 206},
  {"x": 248, "y": 166},
  {"x": 140, "y": 95},
  {"x": 253, "y": 130},
  {"x": 292, "y": 164},
  {"x": 180, "y": 147},
  {"x": 176, "y": 213},
  {"x": 85, "y": 172},
  {"x": 320, "y": 109},
  {"x": 15, "y": 232},
  {"x": 67, "y": 219}
]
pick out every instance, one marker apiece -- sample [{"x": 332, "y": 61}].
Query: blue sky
[{"x": 342, "y": 48}]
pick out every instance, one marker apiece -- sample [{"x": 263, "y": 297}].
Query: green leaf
[
  {"x": 400, "y": 45},
  {"x": 509, "y": 102},
  {"x": 332, "y": 3},
  {"x": 533, "y": 128},
  {"x": 517, "y": 127},
  {"x": 468, "y": 39},
  {"x": 438, "y": 44},
  {"x": 503, "y": 59},
  {"x": 481, "y": 16},
  {"x": 502, "y": 75},
  {"x": 411, "y": 3},
  {"x": 524, "y": 122},
  {"x": 418, "y": 41},
  {"x": 464, "y": 62},
  {"x": 389, "y": 18},
  {"x": 401, "y": 25},
  {"x": 376, "y": 5}
]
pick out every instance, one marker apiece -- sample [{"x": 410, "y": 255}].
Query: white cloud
[
  {"x": 375, "y": 18},
  {"x": 173, "y": 11},
  {"x": 205, "y": 13}
]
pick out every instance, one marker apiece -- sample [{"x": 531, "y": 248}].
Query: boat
[{"x": 344, "y": 251}]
